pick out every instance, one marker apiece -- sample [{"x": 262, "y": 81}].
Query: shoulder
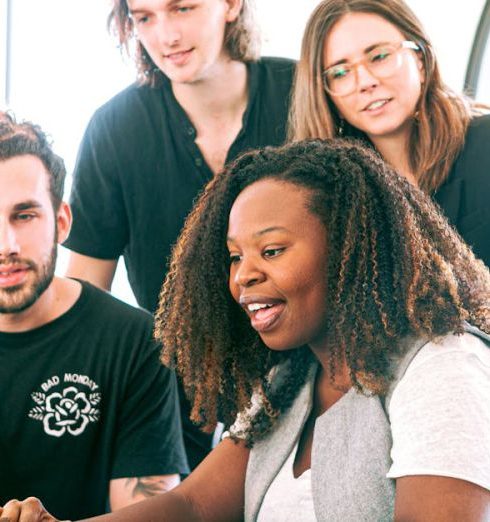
[
  {"x": 474, "y": 152},
  {"x": 276, "y": 70},
  {"x": 458, "y": 360},
  {"x": 114, "y": 311},
  {"x": 454, "y": 370},
  {"x": 479, "y": 126},
  {"x": 276, "y": 63},
  {"x": 131, "y": 103},
  {"x": 440, "y": 412},
  {"x": 466, "y": 346}
]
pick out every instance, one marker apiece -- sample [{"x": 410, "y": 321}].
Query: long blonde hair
[{"x": 442, "y": 116}]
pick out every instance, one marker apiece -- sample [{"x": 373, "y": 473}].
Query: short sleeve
[
  {"x": 100, "y": 226},
  {"x": 440, "y": 412},
  {"x": 149, "y": 437}
]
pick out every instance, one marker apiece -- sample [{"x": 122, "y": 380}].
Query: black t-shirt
[
  {"x": 465, "y": 196},
  {"x": 85, "y": 400},
  {"x": 139, "y": 170}
]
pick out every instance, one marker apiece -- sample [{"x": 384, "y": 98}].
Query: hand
[{"x": 29, "y": 510}]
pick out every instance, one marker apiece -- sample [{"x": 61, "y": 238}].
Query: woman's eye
[
  {"x": 184, "y": 9},
  {"x": 273, "y": 252},
  {"x": 379, "y": 55},
  {"x": 141, "y": 20},
  {"x": 339, "y": 73},
  {"x": 234, "y": 258}
]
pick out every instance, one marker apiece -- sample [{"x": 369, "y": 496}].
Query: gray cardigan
[{"x": 350, "y": 454}]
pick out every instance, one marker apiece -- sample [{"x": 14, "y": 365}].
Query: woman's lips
[
  {"x": 377, "y": 105},
  {"x": 265, "y": 319}
]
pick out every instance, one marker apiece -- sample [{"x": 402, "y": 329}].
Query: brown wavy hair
[
  {"x": 18, "y": 138},
  {"x": 395, "y": 268},
  {"x": 442, "y": 117},
  {"x": 242, "y": 39}
]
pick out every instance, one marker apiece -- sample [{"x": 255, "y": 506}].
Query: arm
[
  {"x": 129, "y": 490},
  {"x": 99, "y": 272},
  {"x": 213, "y": 492},
  {"x": 440, "y": 418},
  {"x": 440, "y": 499}
]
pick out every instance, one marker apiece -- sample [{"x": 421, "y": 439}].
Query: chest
[
  {"x": 349, "y": 457},
  {"x": 215, "y": 140}
]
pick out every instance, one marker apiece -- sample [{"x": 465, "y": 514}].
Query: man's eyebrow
[
  {"x": 263, "y": 232},
  {"x": 26, "y": 205},
  {"x": 368, "y": 49},
  {"x": 138, "y": 10}
]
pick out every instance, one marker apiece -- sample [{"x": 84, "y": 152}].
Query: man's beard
[{"x": 16, "y": 299}]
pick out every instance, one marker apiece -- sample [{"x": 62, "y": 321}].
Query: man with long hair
[{"x": 202, "y": 97}]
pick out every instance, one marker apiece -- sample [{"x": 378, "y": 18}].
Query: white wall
[{"x": 3, "y": 47}]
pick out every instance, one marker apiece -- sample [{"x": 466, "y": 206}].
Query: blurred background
[{"x": 58, "y": 63}]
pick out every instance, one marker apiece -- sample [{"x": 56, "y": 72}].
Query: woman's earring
[{"x": 340, "y": 129}]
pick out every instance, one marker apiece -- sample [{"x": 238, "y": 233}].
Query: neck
[
  {"x": 221, "y": 95},
  {"x": 57, "y": 299},
  {"x": 329, "y": 388},
  {"x": 394, "y": 149}
]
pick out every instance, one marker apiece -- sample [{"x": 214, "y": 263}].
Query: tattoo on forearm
[{"x": 147, "y": 486}]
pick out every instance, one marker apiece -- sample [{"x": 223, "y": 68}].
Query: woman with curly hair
[
  {"x": 368, "y": 70},
  {"x": 325, "y": 304}
]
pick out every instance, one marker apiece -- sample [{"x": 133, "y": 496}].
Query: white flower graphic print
[{"x": 65, "y": 412}]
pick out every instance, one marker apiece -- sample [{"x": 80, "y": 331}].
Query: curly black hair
[{"x": 395, "y": 268}]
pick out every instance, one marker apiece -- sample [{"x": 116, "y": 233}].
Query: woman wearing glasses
[{"x": 368, "y": 70}]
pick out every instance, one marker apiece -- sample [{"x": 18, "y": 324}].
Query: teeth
[
  {"x": 376, "y": 104},
  {"x": 257, "y": 306}
]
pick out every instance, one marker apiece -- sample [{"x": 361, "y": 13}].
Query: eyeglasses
[{"x": 382, "y": 62}]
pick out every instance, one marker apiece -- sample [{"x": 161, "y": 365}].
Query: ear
[
  {"x": 421, "y": 68},
  {"x": 233, "y": 9},
  {"x": 63, "y": 221}
]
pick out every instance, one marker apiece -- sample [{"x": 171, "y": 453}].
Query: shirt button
[
  {"x": 190, "y": 131},
  {"x": 198, "y": 162}
]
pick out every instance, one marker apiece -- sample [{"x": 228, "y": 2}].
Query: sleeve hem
[
  {"x": 131, "y": 472},
  {"x": 87, "y": 249},
  {"x": 483, "y": 482}
]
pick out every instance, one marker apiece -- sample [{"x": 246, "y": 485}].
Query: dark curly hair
[
  {"x": 242, "y": 39},
  {"x": 395, "y": 268},
  {"x": 19, "y": 138}
]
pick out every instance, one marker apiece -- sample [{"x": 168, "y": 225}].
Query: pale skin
[
  {"x": 27, "y": 224},
  {"x": 210, "y": 86},
  {"x": 389, "y": 127},
  {"x": 266, "y": 247}
]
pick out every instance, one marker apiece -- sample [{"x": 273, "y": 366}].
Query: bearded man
[{"x": 89, "y": 417}]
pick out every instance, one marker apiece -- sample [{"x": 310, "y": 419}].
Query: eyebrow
[
  {"x": 138, "y": 10},
  {"x": 26, "y": 205},
  {"x": 262, "y": 232},
  {"x": 368, "y": 49}
]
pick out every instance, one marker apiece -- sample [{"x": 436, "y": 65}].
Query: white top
[
  {"x": 288, "y": 499},
  {"x": 440, "y": 412}
]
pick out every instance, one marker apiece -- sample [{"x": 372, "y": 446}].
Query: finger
[
  {"x": 11, "y": 511},
  {"x": 29, "y": 510},
  {"x": 34, "y": 511}
]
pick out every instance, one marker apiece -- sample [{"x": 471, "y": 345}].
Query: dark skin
[{"x": 214, "y": 492}]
